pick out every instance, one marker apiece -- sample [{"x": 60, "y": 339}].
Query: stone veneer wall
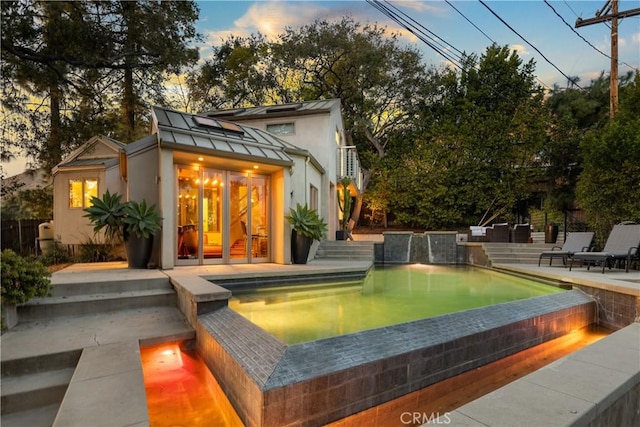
[
  {"x": 431, "y": 247},
  {"x": 615, "y": 310},
  {"x": 270, "y": 383}
]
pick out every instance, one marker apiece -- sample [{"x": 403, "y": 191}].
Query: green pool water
[{"x": 387, "y": 296}]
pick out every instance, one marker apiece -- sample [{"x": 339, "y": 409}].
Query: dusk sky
[{"x": 535, "y": 20}]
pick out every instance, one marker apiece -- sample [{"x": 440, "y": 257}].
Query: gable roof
[
  {"x": 99, "y": 150},
  {"x": 280, "y": 110},
  {"x": 197, "y": 133}
]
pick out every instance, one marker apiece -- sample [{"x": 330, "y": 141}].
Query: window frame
[
  {"x": 85, "y": 200},
  {"x": 313, "y": 197},
  {"x": 271, "y": 125}
]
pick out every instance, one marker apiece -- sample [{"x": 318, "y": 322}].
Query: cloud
[
  {"x": 520, "y": 49},
  {"x": 268, "y": 18}
]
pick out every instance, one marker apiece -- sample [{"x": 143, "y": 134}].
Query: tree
[
  {"x": 609, "y": 185},
  {"x": 237, "y": 75},
  {"x": 573, "y": 112},
  {"x": 121, "y": 50},
  {"x": 369, "y": 70},
  {"x": 475, "y": 150}
]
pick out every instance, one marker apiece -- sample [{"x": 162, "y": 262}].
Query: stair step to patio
[
  {"x": 515, "y": 253},
  {"x": 35, "y": 382},
  {"x": 345, "y": 249},
  {"x": 37, "y": 417},
  {"x": 77, "y": 305},
  {"x": 111, "y": 286},
  {"x": 34, "y": 390}
]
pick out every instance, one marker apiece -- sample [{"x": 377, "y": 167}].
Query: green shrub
[
  {"x": 59, "y": 255},
  {"x": 23, "y": 279},
  {"x": 93, "y": 250}
]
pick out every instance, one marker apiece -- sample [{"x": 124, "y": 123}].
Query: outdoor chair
[
  {"x": 622, "y": 245},
  {"x": 576, "y": 242},
  {"x": 477, "y": 234},
  {"x": 498, "y": 233},
  {"x": 521, "y": 233}
]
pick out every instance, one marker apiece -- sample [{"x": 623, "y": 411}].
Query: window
[
  {"x": 313, "y": 197},
  {"x": 81, "y": 192},
  {"x": 281, "y": 128}
]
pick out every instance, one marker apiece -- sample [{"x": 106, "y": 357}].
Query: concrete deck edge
[
  {"x": 575, "y": 390},
  {"x": 107, "y": 388}
]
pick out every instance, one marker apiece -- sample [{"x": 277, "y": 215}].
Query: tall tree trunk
[
  {"x": 52, "y": 155},
  {"x": 129, "y": 105}
]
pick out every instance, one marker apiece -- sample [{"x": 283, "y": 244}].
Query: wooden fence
[{"x": 21, "y": 235}]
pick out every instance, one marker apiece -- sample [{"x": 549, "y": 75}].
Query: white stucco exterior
[{"x": 295, "y": 167}]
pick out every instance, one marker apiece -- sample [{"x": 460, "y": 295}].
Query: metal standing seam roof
[
  {"x": 224, "y": 139},
  {"x": 294, "y": 108},
  {"x": 106, "y": 162}
]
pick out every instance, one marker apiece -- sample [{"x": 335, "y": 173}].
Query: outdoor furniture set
[
  {"x": 622, "y": 246},
  {"x": 502, "y": 233}
]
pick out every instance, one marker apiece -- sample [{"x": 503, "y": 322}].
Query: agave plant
[
  {"x": 108, "y": 213},
  {"x": 142, "y": 219},
  {"x": 307, "y": 222},
  {"x": 118, "y": 218}
]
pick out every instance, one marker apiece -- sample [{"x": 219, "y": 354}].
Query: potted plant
[
  {"x": 307, "y": 227},
  {"x": 131, "y": 222},
  {"x": 22, "y": 280},
  {"x": 344, "y": 203}
]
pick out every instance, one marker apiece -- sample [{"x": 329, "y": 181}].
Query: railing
[{"x": 349, "y": 165}]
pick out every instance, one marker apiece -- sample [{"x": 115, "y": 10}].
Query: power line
[
  {"x": 386, "y": 10},
  {"x": 573, "y": 29},
  {"x": 415, "y": 31},
  {"x": 586, "y": 41},
  {"x": 469, "y": 21},
  {"x": 526, "y": 41},
  {"x": 493, "y": 41}
]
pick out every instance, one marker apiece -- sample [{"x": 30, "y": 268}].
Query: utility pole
[{"x": 609, "y": 12}]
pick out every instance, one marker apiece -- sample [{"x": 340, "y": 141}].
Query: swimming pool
[{"x": 389, "y": 295}]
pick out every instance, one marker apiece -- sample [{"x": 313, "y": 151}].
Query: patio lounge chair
[
  {"x": 622, "y": 244},
  {"x": 576, "y": 242}
]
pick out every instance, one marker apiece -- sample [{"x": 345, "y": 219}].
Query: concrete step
[
  {"x": 77, "y": 305},
  {"x": 345, "y": 249},
  {"x": 515, "y": 253},
  {"x": 515, "y": 260},
  {"x": 37, "y": 417},
  {"x": 101, "y": 287},
  {"x": 33, "y": 391},
  {"x": 34, "y": 382}
]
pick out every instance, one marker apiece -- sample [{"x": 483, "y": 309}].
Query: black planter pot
[
  {"x": 300, "y": 246},
  {"x": 340, "y": 235},
  {"x": 138, "y": 250}
]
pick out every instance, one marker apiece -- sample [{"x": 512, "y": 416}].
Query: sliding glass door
[{"x": 222, "y": 217}]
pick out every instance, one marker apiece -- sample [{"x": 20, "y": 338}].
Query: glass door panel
[
  {"x": 259, "y": 217},
  {"x": 238, "y": 209},
  {"x": 188, "y": 198},
  {"x": 212, "y": 218}
]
